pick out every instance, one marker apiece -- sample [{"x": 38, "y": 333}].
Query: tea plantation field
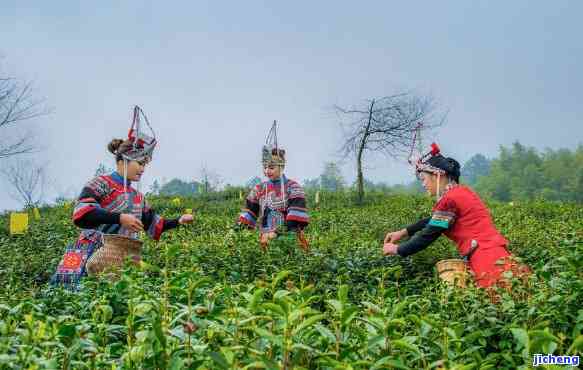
[{"x": 207, "y": 297}]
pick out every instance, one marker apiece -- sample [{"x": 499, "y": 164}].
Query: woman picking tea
[
  {"x": 278, "y": 204},
  {"x": 460, "y": 215},
  {"x": 109, "y": 204}
]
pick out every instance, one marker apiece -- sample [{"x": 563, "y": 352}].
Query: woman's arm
[
  {"x": 88, "y": 213},
  {"x": 443, "y": 217},
  {"x": 417, "y": 226},
  {"x": 248, "y": 215},
  {"x": 420, "y": 240},
  {"x": 155, "y": 225},
  {"x": 297, "y": 217}
]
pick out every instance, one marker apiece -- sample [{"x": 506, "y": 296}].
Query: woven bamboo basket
[
  {"x": 113, "y": 254},
  {"x": 453, "y": 271}
]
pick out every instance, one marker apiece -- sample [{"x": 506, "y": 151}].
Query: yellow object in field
[
  {"x": 176, "y": 201},
  {"x": 318, "y": 197},
  {"x": 188, "y": 211},
  {"x": 240, "y": 195},
  {"x": 36, "y": 214},
  {"x": 18, "y": 223}
]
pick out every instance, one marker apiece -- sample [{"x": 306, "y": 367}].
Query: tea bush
[{"x": 207, "y": 297}]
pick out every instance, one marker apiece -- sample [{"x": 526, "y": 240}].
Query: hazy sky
[{"x": 212, "y": 76}]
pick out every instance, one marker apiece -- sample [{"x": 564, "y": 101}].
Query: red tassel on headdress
[
  {"x": 138, "y": 142},
  {"x": 434, "y": 151}
]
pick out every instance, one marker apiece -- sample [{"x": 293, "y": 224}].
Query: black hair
[{"x": 449, "y": 165}]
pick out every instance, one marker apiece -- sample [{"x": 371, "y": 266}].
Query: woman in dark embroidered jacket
[
  {"x": 109, "y": 204},
  {"x": 278, "y": 203}
]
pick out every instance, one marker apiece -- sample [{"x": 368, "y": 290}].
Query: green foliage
[
  {"x": 474, "y": 168},
  {"x": 414, "y": 187},
  {"x": 180, "y": 187},
  {"x": 207, "y": 297},
  {"x": 331, "y": 179},
  {"x": 521, "y": 173},
  {"x": 155, "y": 188}
]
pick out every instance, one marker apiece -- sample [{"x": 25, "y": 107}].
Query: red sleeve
[{"x": 444, "y": 213}]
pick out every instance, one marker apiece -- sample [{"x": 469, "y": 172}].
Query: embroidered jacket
[
  {"x": 266, "y": 202},
  {"x": 97, "y": 212}
]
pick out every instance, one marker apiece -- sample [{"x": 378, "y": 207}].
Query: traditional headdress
[
  {"x": 142, "y": 144},
  {"x": 434, "y": 162},
  {"x": 272, "y": 154}
]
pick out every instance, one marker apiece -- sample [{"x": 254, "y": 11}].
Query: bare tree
[
  {"x": 16, "y": 106},
  {"x": 386, "y": 125},
  {"x": 209, "y": 179},
  {"x": 28, "y": 181}
]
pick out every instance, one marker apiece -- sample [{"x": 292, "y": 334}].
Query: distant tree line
[
  {"x": 331, "y": 179},
  {"x": 521, "y": 173},
  {"x": 518, "y": 173}
]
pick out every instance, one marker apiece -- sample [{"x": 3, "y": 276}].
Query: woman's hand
[
  {"x": 395, "y": 236},
  {"x": 186, "y": 219},
  {"x": 390, "y": 249},
  {"x": 130, "y": 222},
  {"x": 267, "y": 237}
]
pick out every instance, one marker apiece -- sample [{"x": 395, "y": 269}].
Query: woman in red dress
[{"x": 461, "y": 216}]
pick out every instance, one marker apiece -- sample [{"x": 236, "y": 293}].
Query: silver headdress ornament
[
  {"x": 429, "y": 162},
  {"x": 421, "y": 162},
  {"x": 272, "y": 154},
  {"x": 143, "y": 144}
]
